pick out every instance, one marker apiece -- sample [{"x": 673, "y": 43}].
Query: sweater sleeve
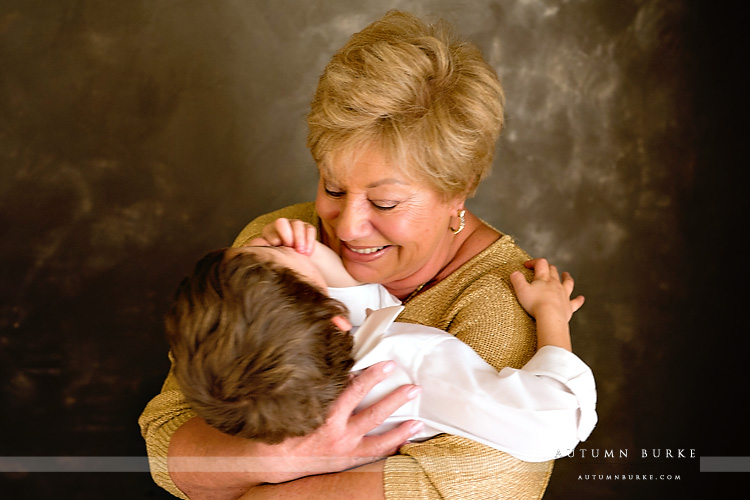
[
  {"x": 168, "y": 410},
  {"x": 479, "y": 308},
  {"x": 161, "y": 418}
]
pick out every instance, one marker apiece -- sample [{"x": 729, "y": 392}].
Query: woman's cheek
[
  {"x": 329, "y": 236},
  {"x": 327, "y": 211}
]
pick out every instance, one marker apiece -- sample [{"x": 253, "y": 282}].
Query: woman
[{"x": 403, "y": 128}]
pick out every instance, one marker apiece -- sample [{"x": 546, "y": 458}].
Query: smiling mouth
[{"x": 366, "y": 251}]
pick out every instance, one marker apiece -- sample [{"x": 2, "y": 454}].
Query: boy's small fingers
[
  {"x": 577, "y": 302},
  {"x": 541, "y": 269},
  {"x": 299, "y": 236},
  {"x": 518, "y": 281},
  {"x": 270, "y": 234},
  {"x": 568, "y": 282},
  {"x": 312, "y": 235},
  {"x": 554, "y": 273},
  {"x": 257, "y": 242},
  {"x": 284, "y": 230}
]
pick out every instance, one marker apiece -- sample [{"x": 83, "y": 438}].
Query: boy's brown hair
[{"x": 254, "y": 349}]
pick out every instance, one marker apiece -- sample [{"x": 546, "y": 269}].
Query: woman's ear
[
  {"x": 341, "y": 323},
  {"x": 457, "y": 204}
]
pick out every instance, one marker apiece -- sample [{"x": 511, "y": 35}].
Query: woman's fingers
[
  {"x": 359, "y": 386},
  {"x": 371, "y": 417},
  {"x": 388, "y": 443}
]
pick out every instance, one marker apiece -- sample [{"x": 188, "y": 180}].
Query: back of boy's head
[{"x": 254, "y": 349}]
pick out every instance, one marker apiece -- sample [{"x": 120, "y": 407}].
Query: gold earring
[{"x": 461, "y": 222}]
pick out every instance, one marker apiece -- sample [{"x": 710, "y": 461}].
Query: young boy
[{"x": 261, "y": 350}]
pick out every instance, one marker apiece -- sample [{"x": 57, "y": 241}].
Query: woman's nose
[{"x": 353, "y": 223}]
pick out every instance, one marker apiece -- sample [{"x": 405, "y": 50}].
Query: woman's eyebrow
[{"x": 389, "y": 180}]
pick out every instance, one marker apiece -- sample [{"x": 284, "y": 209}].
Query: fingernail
[
  {"x": 416, "y": 427},
  {"x": 389, "y": 367},
  {"x": 414, "y": 392}
]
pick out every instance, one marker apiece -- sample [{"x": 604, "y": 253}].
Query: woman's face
[{"x": 385, "y": 227}]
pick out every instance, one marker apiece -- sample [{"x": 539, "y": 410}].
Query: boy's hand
[
  {"x": 547, "y": 299},
  {"x": 291, "y": 233},
  {"x": 546, "y": 293}
]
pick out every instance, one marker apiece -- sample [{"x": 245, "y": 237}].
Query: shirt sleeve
[{"x": 536, "y": 413}]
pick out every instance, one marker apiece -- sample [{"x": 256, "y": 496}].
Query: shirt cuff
[{"x": 567, "y": 368}]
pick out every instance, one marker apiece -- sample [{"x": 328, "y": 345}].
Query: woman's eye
[
  {"x": 333, "y": 193},
  {"x": 384, "y": 205}
]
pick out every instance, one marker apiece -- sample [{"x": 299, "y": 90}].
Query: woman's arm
[
  {"x": 362, "y": 483},
  {"x": 338, "y": 445}
]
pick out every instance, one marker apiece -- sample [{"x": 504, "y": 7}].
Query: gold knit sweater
[{"x": 476, "y": 304}]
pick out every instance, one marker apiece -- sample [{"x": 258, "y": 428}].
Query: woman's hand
[
  {"x": 292, "y": 233},
  {"x": 341, "y": 442},
  {"x": 207, "y": 464}
]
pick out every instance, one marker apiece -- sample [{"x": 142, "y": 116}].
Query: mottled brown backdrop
[{"x": 137, "y": 135}]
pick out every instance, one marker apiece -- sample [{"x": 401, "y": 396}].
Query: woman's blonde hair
[{"x": 426, "y": 98}]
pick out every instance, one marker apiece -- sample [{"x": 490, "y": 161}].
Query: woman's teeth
[{"x": 365, "y": 251}]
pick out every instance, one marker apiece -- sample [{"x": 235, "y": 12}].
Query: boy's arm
[
  {"x": 331, "y": 267},
  {"x": 301, "y": 236},
  {"x": 535, "y": 413}
]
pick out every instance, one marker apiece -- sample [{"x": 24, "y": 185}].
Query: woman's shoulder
[
  {"x": 302, "y": 211},
  {"x": 477, "y": 304},
  {"x": 501, "y": 258},
  {"x": 482, "y": 281}
]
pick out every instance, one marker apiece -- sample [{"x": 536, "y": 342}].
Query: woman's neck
[{"x": 475, "y": 237}]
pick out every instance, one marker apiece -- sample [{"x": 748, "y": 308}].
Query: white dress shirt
[{"x": 536, "y": 413}]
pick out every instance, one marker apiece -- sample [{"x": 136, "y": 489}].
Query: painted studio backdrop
[{"x": 137, "y": 135}]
